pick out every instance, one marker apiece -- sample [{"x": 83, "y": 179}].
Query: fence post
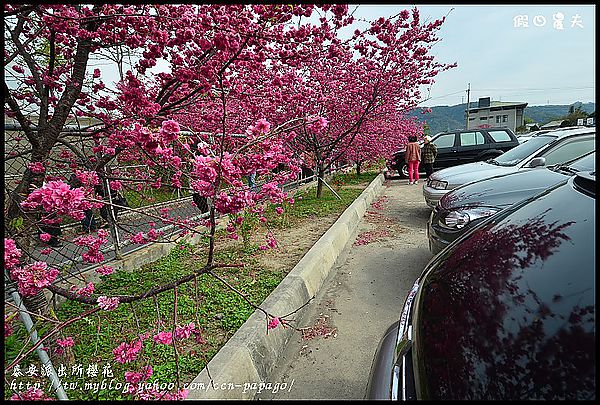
[
  {"x": 28, "y": 323},
  {"x": 113, "y": 221}
]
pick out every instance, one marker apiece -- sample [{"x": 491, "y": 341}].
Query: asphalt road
[{"x": 360, "y": 299}]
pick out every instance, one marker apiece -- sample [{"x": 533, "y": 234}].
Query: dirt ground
[{"x": 295, "y": 241}]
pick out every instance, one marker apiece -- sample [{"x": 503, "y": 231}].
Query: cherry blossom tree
[
  {"x": 257, "y": 86},
  {"x": 383, "y": 65},
  {"x": 380, "y": 137}
]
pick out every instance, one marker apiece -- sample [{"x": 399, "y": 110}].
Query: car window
[
  {"x": 522, "y": 151},
  {"x": 569, "y": 150},
  {"x": 585, "y": 164},
  {"x": 444, "y": 141},
  {"x": 500, "y": 136},
  {"x": 471, "y": 138}
]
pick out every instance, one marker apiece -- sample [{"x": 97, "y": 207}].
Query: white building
[{"x": 495, "y": 114}]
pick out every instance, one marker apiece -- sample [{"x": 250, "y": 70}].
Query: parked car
[
  {"x": 462, "y": 146},
  {"x": 465, "y": 207},
  {"x": 550, "y": 148},
  {"x": 528, "y": 135},
  {"x": 505, "y": 312}
]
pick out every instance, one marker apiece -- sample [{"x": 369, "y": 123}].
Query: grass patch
[
  {"x": 216, "y": 311},
  {"x": 151, "y": 196}
]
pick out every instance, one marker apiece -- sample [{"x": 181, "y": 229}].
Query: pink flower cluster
[
  {"x": 108, "y": 303},
  {"x": 260, "y": 127},
  {"x": 36, "y": 167},
  {"x": 33, "y": 277},
  {"x": 32, "y": 394},
  {"x": 87, "y": 178},
  {"x": 135, "y": 378},
  {"x": 56, "y": 196},
  {"x": 184, "y": 332},
  {"x": 125, "y": 353},
  {"x": 272, "y": 191},
  {"x": 181, "y": 332},
  {"x": 318, "y": 125},
  {"x": 84, "y": 291},
  {"x": 169, "y": 131},
  {"x": 115, "y": 185},
  {"x": 151, "y": 235},
  {"x": 165, "y": 338},
  {"x": 104, "y": 270},
  {"x": 11, "y": 253},
  {"x": 273, "y": 323},
  {"x": 67, "y": 342},
  {"x": 8, "y": 330},
  {"x": 93, "y": 255}
]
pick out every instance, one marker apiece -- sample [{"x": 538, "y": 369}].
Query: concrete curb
[{"x": 245, "y": 362}]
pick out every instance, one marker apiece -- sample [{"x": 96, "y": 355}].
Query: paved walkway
[{"x": 360, "y": 299}]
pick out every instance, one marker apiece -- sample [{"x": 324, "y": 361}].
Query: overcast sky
[{"x": 537, "y": 64}]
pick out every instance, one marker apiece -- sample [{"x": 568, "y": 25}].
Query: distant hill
[{"x": 443, "y": 118}]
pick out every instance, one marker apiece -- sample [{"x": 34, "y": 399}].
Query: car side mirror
[{"x": 539, "y": 161}]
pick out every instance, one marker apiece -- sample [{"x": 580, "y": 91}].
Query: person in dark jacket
[
  {"x": 429, "y": 153},
  {"x": 88, "y": 223}
]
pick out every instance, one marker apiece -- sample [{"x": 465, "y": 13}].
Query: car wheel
[{"x": 403, "y": 172}]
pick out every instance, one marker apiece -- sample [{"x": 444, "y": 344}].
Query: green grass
[
  {"x": 151, "y": 196},
  {"x": 220, "y": 312}
]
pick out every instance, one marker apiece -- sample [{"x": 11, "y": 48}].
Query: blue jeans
[{"x": 252, "y": 181}]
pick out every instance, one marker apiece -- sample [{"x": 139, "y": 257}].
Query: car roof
[
  {"x": 451, "y": 131},
  {"x": 568, "y": 131}
]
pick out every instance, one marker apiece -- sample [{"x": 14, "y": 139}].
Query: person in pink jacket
[{"x": 412, "y": 156}]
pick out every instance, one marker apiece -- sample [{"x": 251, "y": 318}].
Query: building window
[
  {"x": 483, "y": 118},
  {"x": 498, "y": 117},
  {"x": 504, "y": 118}
]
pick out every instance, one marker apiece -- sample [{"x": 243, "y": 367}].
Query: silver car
[{"x": 550, "y": 148}]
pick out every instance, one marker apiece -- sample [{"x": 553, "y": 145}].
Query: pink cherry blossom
[
  {"x": 8, "y": 330},
  {"x": 273, "y": 323},
  {"x": 108, "y": 304},
  {"x": 33, "y": 277},
  {"x": 184, "y": 332},
  {"x": 104, "y": 270},
  {"x": 86, "y": 291},
  {"x": 11, "y": 253},
  {"x": 56, "y": 196},
  {"x": 67, "y": 342},
  {"x": 36, "y": 167},
  {"x": 32, "y": 394},
  {"x": 115, "y": 185},
  {"x": 126, "y": 353},
  {"x": 165, "y": 338}
]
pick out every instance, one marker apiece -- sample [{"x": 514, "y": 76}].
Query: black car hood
[
  {"x": 509, "y": 311},
  {"x": 502, "y": 191}
]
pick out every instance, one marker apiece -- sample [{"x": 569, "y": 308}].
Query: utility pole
[{"x": 468, "y": 94}]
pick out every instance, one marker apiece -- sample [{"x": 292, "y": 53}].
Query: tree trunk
[
  {"x": 320, "y": 176},
  {"x": 358, "y": 168}
]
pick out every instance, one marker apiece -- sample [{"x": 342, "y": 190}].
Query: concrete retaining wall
[{"x": 251, "y": 353}]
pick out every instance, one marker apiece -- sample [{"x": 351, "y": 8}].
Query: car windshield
[
  {"x": 517, "y": 154},
  {"x": 584, "y": 164}
]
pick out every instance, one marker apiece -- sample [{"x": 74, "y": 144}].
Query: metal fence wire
[{"x": 67, "y": 256}]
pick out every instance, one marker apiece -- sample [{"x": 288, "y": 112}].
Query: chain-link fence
[{"x": 122, "y": 224}]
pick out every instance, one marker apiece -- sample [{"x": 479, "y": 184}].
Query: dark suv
[
  {"x": 462, "y": 146},
  {"x": 505, "y": 312}
]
